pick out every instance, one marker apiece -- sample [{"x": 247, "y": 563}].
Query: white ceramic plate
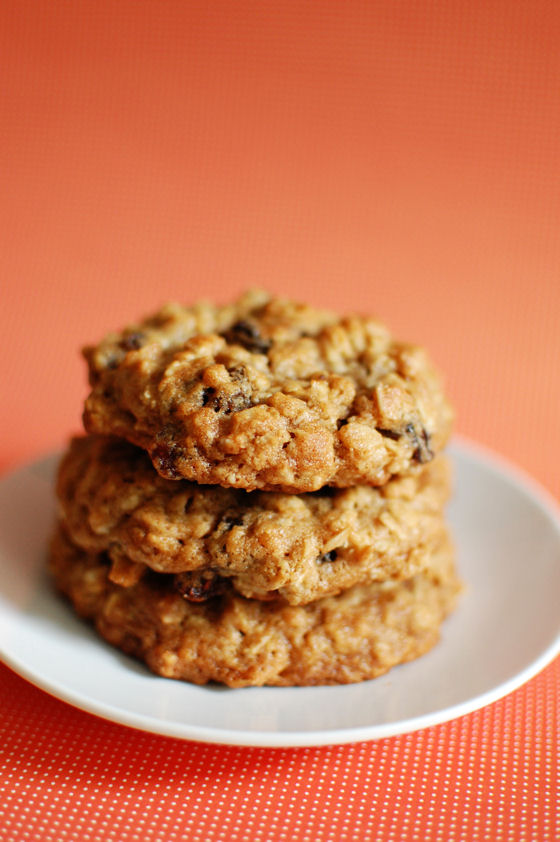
[{"x": 504, "y": 631}]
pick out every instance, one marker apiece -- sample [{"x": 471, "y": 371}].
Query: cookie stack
[{"x": 260, "y": 496}]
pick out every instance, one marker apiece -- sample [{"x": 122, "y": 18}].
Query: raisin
[
  {"x": 207, "y": 395},
  {"x": 389, "y": 434},
  {"x": 228, "y": 522},
  {"x": 112, "y": 361},
  {"x": 221, "y": 402},
  {"x": 247, "y": 335},
  {"x": 236, "y": 402},
  {"x": 332, "y": 555},
  {"x": 165, "y": 457},
  {"x": 133, "y": 341},
  {"x": 421, "y": 441},
  {"x": 422, "y": 451},
  {"x": 198, "y": 587},
  {"x": 237, "y": 373}
]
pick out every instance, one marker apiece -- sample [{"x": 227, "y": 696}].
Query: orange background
[{"x": 401, "y": 158}]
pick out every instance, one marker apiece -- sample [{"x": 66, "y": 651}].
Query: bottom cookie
[{"x": 357, "y": 635}]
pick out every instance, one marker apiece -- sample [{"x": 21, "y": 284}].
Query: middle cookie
[{"x": 297, "y": 547}]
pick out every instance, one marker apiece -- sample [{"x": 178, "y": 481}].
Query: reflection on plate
[{"x": 504, "y": 631}]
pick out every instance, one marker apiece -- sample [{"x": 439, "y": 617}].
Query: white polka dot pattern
[{"x": 66, "y": 776}]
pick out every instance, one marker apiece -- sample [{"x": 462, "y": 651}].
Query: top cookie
[{"x": 268, "y": 394}]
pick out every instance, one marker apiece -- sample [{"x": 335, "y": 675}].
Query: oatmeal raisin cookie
[
  {"x": 300, "y": 547},
  {"x": 268, "y": 394},
  {"x": 240, "y": 642}
]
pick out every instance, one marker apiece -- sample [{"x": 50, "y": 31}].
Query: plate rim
[{"x": 463, "y": 446}]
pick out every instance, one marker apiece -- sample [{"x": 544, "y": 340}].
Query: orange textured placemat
[
  {"x": 398, "y": 158},
  {"x": 490, "y": 775}
]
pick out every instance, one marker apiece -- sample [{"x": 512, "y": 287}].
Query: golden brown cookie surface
[
  {"x": 355, "y": 636},
  {"x": 301, "y": 547},
  {"x": 268, "y": 394}
]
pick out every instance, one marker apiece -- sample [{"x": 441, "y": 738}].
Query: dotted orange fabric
[
  {"x": 490, "y": 775},
  {"x": 396, "y": 158}
]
